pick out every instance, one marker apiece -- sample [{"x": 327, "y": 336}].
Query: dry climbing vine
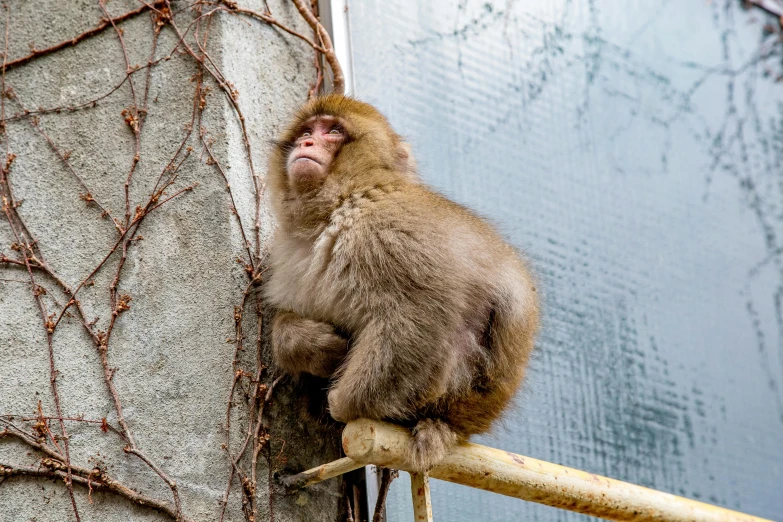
[{"x": 24, "y": 260}]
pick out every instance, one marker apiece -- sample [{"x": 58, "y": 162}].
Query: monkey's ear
[{"x": 406, "y": 163}]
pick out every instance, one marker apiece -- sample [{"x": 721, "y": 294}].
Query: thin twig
[
  {"x": 338, "y": 80},
  {"x": 88, "y": 196},
  {"x": 96, "y": 479},
  {"x": 131, "y": 118},
  {"x": 774, "y": 7},
  {"x": 89, "y": 103},
  {"x": 267, "y": 17},
  {"x": 18, "y": 229},
  {"x": 105, "y": 24},
  {"x": 234, "y": 210},
  {"x": 231, "y": 94}
]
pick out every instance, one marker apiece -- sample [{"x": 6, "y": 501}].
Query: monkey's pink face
[{"x": 314, "y": 149}]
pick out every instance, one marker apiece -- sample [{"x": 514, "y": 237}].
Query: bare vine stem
[
  {"x": 96, "y": 478},
  {"x": 267, "y": 17},
  {"x": 338, "y": 80},
  {"x": 87, "y": 196},
  {"x": 105, "y": 24},
  {"x": 27, "y": 243}
]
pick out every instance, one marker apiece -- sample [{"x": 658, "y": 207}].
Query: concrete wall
[{"x": 173, "y": 364}]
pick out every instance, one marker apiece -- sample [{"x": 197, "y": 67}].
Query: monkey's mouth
[{"x": 308, "y": 158}]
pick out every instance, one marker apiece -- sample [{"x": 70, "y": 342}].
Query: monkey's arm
[
  {"x": 303, "y": 345},
  {"x": 390, "y": 371}
]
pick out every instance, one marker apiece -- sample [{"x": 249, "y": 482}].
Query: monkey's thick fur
[{"x": 415, "y": 307}]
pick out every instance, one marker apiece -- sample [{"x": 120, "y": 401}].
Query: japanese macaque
[{"x": 414, "y": 307}]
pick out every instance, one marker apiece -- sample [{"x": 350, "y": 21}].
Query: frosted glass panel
[{"x": 634, "y": 149}]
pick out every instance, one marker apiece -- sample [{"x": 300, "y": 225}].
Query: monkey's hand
[{"x": 303, "y": 345}]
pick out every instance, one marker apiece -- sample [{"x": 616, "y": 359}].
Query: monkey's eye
[{"x": 336, "y": 130}]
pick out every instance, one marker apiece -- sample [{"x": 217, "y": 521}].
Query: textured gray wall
[
  {"x": 633, "y": 149},
  {"x": 173, "y": 364}
]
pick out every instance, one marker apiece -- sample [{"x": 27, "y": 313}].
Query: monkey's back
[{"x": 497, "y": 314}]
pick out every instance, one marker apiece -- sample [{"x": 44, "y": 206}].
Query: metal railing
[{"x": 382, "y": 444}]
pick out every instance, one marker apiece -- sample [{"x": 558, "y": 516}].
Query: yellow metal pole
[
  {"x": 522, "y": 477},
  {"x": 422, "y": 503}
]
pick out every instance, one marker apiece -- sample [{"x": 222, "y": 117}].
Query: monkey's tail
[{"x": 432, "y": 440}]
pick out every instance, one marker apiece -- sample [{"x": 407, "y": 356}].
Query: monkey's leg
[{"x": 303, "y": 345}]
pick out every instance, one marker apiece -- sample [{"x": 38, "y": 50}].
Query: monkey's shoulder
[
  {"x": 409, "y": 228},
  {"x": 412, "y": 210},
  {"x": 405, "y": 213}
]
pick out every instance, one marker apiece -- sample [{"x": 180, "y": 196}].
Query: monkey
[{"x": 414, "y": 307}]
